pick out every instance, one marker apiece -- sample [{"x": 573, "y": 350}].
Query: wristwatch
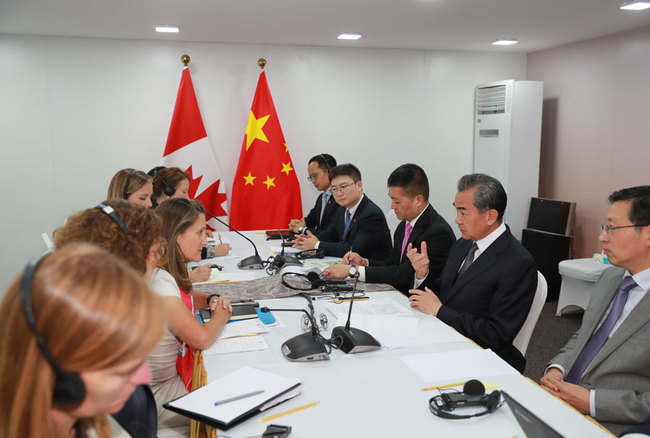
[{"x": 353, "y": 271}]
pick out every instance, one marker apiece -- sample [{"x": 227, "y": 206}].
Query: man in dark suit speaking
[
  {"x": 488, "y": 283},
  {"x": 408, "y": 188},
  {"x": 604, "y": 369},
  {"x": 325, "y": 209},
  {"x": 361, "y": 225}
]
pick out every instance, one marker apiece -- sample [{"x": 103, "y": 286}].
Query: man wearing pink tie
[{"x": 408, "y": 188}]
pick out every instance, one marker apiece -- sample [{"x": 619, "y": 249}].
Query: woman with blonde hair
[
  {"x": 172, "y": 360},
  {"x": 132, "y": 185},
  {"x": 75, "y": 329}
]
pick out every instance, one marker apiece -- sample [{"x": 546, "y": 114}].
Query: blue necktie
[
  {"x": 348, "y": 216},
  {"x": 601, "y": 335}
]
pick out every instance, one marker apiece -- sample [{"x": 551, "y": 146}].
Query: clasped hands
[
  {"x": 305, "y": 241},
  {"x": 575, "y": 395},
  {"x": 296, "y": 224}
]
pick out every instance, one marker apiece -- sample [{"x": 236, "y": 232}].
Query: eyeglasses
[
  {"x": 340, "y": 188},
  {"x": 310, "y": 178},
  {"x": 608, "y": 228}
]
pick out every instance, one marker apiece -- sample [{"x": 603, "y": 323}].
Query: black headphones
[
  {"x": 110, "y": 211},
  {"x": 128, "y": 181},
  {"x": 473, "y": 395},
  {"x": 69, "y": 388},
  {"x": 155, "y": 172}
]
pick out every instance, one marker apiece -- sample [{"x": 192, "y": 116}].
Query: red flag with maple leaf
[
  {"x": 265, "y": 191},
  {"x": 189, "y": 149}
]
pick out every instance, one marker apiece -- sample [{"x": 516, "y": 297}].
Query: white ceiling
[{"x": 403, "y": 24}]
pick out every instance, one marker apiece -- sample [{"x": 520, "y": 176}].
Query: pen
[
  {"x": 290, "y": 411},
  {"x": 220, "y": 241},
  {"x": 238, "y": 397},
  {"x": 349, "y": 299},
  {"x": 449, "y": 385}
]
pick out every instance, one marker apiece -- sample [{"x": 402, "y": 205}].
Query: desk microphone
[
  {"x": 305, "y": 347},
  {"x": 285, "y": 259},
  {"x": 352, "y": 340},
  {"x": 251, "y": 262}
]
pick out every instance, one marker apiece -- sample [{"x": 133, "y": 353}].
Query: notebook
[{"x": 199, "y": 404}]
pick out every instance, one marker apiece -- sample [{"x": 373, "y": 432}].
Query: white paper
[
  {"x": 456, "y": 366},
  {"x": 242, "y": 381},
  {"x": 372, "y": 306},
  {"x": 215, "y": 277},
  {"x": 287, "y": 249},
  {"x": 237, "y": 345},
  {"x": 243, "y": 328},
  {"x": 240, "y": 276}
]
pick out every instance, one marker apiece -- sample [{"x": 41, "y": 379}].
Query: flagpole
[
  {"x": 185, "y": 59},
  {"x": 262, "y": 63}
]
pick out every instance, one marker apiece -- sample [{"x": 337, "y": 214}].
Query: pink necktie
[{"x": 407, "y": 234}]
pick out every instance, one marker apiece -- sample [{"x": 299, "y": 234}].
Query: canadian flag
[{"x": 189, "y": 149}]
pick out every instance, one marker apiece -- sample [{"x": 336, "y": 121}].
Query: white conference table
[{"x": 374, "y": 394}]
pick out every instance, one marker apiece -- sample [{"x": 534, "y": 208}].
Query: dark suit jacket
[
  {"x": 313, "y": 220},
  {"x": 430, "y": 228},
  {"x": 620, "y": 372},
  {"x": 491, "y": 300},
  {"x": 368, "y": 235}
]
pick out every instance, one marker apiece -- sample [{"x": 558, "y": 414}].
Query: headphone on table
[
  {"x": 128, "y": 181},
  {"x": 155, "y": 172},
  {"x": 473, "y": 394},
  {"x": 110, "y": 211},
  {"x": 69, "y": 388}
]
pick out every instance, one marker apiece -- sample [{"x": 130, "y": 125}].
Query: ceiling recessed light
[
  {"x": 505, "y": 42},
  {"x": 635, "y": 6},
  {"x": 349, "y": 36},
  {"x": 167, "y": 29}
]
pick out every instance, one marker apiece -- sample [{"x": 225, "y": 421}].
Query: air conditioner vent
[{"x": 491, "y": 100}]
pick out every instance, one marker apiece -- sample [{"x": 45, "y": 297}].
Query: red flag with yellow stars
[{"x": 265, "y": 191}]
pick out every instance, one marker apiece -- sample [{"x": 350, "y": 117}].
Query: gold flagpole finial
[
  {"x": 185, "y": 59},
  {"x": 262, "y": 63}
]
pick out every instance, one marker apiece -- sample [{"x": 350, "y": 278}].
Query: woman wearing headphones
[
  {"x": 97, "y": 321},
  {"x": 133, "y": 233},
  {"x": 133, "y": 185},
  {"x": 172, "y": 360},
  {"x": 168, "y": 183}
]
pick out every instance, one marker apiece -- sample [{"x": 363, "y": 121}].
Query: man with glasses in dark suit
[{"x": 360, "y": 225}]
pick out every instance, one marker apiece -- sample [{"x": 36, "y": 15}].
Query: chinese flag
[
  {"x": 189, "y": 149},
  {"x": 265, "y": 192}
]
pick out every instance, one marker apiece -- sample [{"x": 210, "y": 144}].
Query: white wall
[{"x": 74, "y": 111}]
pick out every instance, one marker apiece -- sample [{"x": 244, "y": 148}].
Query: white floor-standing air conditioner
[{"x": 507, "y": 131}]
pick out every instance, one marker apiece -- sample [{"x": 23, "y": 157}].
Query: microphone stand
[
  {"x": 306, "y": 347},
  {"x": 352, "y": 340},
  {"x": 251, "y": 262}
]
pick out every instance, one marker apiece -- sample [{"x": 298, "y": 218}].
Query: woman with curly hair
[
  {"x": 141, "y": 247},
  {"x": 97, "y": 321},
  {"x": 132, "y": 185}
]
